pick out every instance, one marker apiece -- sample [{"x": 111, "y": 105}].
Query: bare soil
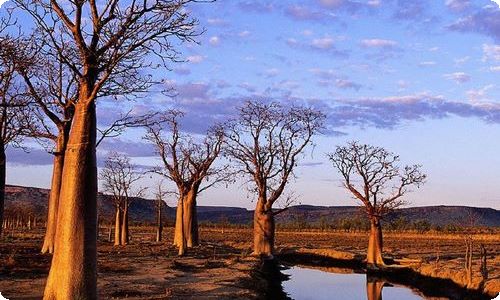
[
  {"x": 141, "y": 270},
  {"x": 221, "y": 267}
]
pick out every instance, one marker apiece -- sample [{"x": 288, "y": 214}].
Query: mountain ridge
[{"x": 143, "y": 210}]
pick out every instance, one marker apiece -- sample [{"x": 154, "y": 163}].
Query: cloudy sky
[{"x": 421, "y": 78}]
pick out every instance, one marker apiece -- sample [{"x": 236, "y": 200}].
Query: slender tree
[
  {"x": 160, "y": 195},
  {"x": 266, "y": 142},
  {"x": 188, "y": 163},
  {"x": 469, "y": 224},
  {"x": 373, "y": 175},
  {"x": 118, "y": 178},
  {"x": 113, "y": 43}
]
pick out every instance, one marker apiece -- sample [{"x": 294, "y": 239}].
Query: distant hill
[{"x": 143, "y": 210}]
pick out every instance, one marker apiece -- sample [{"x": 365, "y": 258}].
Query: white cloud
[
  {"x": 322, "y": 43},
  {"x": 491, "y": 52},
  {"x": 378, "y": 43},
  {"x": 324, "y": 74},
  {"x": 271, "y": 72},
  {"x": 214, "y": 41},
  {"x": 479, "y": 94},
  {"x": 462, "y": 60},
  {"x": 457, "y": 5},
  {"x": 403, "y": 85},
  {"x": 244, "y": 34},
  {"x": 331, "y": 3},
  {"x": 427, "y": 63},
  {"x": 347, "y": 84},
  {"x": 307, "y": 32},
  {"x": 495, "y": 69},
  {"x": 214, "y": 21},
  {"x": 292, "y": 42},
  {"x": 196, "y": 59},
  {"x": 374, "y": 2},
  {"x": 458, "y": 77}
]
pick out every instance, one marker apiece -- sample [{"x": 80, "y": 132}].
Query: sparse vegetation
[
  {"x": 374, "y": 177},
  {"x": 60, "y": 61}
]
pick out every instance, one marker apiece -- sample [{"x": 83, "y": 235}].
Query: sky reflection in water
[{"x": 314, "y": 284}]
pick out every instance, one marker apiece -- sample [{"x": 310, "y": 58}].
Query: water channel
[{"x": 304, "y": 284}]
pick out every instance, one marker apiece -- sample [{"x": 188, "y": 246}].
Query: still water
[{"x": 312, "y": 284}]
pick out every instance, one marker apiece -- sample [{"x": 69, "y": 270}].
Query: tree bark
[
  {"x": 159, "y": 229},
  {"x": 118, "y": 226},
  {"x": 263, "y": 230},
  {"x": 2, "y": 182},
  {"x": 190, "y": 220},
  {"x": 182, "y": 238},
  {"x": 73, "y": 272},
  {"x": 125, "y": 232},
  {"x": 178, "y": 223},
  {"x": 375, "y": 244},
  {"x": 55, "y": 189}
]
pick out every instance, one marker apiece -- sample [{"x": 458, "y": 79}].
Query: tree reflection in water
[{"x": 374, "y": 287}]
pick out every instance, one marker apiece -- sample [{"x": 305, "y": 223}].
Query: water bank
[{"x": 429, "y": 286}]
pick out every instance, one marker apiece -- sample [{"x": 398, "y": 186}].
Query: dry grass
[{"x": 221, "y": 267}]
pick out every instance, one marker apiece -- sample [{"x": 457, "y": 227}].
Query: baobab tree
[
  {"x": 374, "y": 177},
  {"x": 116, "y": 42},
  {"x": 119, "y": 177},
  {"x": 13, "y": 102},
  {"x": 188, "y": 162},
  {"x": 266, "y": 142},
  {"x": 53, "y": 89}
]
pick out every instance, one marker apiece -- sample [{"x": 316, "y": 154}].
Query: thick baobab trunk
[
  {"x": 375, "y": 244},
  {"x": 190, "y": 220},
  {"x": 55, "y": 188},
  {"x": 125, "y": 233},
  {"x": 118, "y": 226},
  {"x": 182, "y": 237},
  {"x": 159, "y": 228},
  {"x": 263, "y": 231},
  {"x": 73, "y": 272},
  {"x": 178, "y": 223},
  {"x": 2, "y": 182},
  {"x": 374, "y": 288}
]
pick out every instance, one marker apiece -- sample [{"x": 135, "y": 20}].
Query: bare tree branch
[
  {"x": 373, "y": 176},
  {"x": 266, "y": 141}
]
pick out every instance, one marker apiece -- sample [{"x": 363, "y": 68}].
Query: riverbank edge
[{"x": 427, "y": 284}]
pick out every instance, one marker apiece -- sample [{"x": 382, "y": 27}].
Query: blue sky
[{"x": 421, "y": 78}]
